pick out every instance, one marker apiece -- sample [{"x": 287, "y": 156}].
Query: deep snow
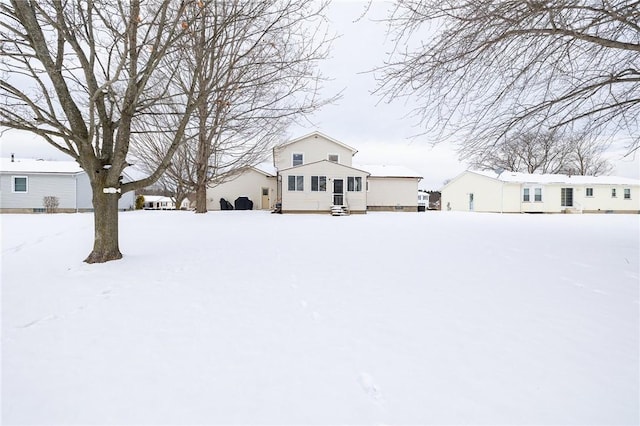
[{"x": 385, "y": 318}]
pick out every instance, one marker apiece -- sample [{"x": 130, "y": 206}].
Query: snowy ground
[{"x": 388, "y": 318}]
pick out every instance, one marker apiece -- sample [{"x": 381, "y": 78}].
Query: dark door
[{"x": 338, "y": 192}]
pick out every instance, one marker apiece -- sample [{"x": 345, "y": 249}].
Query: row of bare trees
[
  {"x": 488, "y": 71},
  {"x": 545, "y": 152},
  {"x": 215, "y": 81}
]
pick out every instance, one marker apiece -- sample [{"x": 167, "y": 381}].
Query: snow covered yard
[{"x": 253, "y": 318}]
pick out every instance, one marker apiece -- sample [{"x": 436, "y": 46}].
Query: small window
[
  {"x": 298, "y": 159},
  {"x": 20, "y": 184},
  {"x": 537, "y": 194},
  {"x": 319, "y": 183},
  {"x": 589, "y": 192},
  {"x": 333, "y": 157},
  {"x": 354, "y": 183},
  {"x": 627, "y": 193},
  {"x": 525, "y": 195},
  {"x": 613, "y": 193},
  {"x": 296, "y": 183}
]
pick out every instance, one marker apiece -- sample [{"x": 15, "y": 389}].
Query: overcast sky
[{"x": 382, "y": 133}]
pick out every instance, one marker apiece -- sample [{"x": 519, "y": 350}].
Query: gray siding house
[{"x": 25, "y": 182}]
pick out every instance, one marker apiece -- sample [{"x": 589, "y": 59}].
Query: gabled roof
[
  {"x": 316, "y": 134},
  {"x": 515, "y": 177},
  {"x": 39, "y": 166},
  {"x": 331, "y": 163},
  {"x": 390, "y": 171}
]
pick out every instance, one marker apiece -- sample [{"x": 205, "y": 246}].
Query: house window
[
  {"x": 613, "y": 193},
  {"x": 589, "y": 192},
  {"x": 298, "y": 159},
  {"x": 525, "y": 195},
  {"x": 354, "y": 183},
  {"x": 566, "y": 197},
  {"x": 537, "y": 194},
  {"x": 333, "y": 157},
  {"x": 296, "y": 183},
  {"x": 319, "y": 183},
  {"x": 627, "y": 193},
  {"x": 20, "y": 184}
]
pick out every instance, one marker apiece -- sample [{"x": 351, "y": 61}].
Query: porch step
[{"x": 339, "y": 210}]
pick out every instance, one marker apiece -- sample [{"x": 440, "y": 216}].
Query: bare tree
[
  {"x": 88, "y": 75},
  {"x": 257, "y": 73},
  {"x": 486, "y": 70},
  {"x": 545, "y": 152}
]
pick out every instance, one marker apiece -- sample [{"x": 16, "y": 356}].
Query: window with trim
[
  {"x": 589, "y": 192},
  {"x": 627, "y": 193},
  {"x": 333, "y": 157},
  {"x": 537, "y": 194},
  {"x": 20, "y": 184},
  {"x": 297, "y": 159},
  {"x": 296, "y": 183},
  {"x": 318, "y": 183},
  {"x": 354, "y": 183},
  {"x": 525, "y": 195},
  {"x": 613, "y": 193}
]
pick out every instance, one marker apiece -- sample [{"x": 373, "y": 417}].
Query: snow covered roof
[
  {"x": 154, "y": 198},
  {"x": 39, "y": 166},
  {"x": 266, "y": 168},
  {"x": 514, "y": 177},
  {"x": 389, "y": 171}
]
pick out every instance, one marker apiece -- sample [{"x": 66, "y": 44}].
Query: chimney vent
[{"x": 12, "y": 157}]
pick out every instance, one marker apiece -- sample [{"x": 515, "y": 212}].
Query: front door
[
  {"x": 471, "y": 202},
  {"x": 265, "y": 199},
  {"x": 338, "y": 192},
  {"x": 566, "y": 197}
]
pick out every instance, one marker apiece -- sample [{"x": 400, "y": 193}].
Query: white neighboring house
[
  {"x": 25, "y": 182},
  {"x": 158, "y": 202},
  {"x": 509, "y": 192},
  {"x": 314, "y": 173}
]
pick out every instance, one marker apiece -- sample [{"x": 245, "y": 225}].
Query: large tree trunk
[
  {"x": 105, "y": 216},
  {"x": 201, "y": 196}
]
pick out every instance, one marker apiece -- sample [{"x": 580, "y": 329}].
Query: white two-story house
[{"x": 314, "y": 173}]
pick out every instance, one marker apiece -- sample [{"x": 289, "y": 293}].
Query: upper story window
[
  {"x": 20, "y": 184},
  {"x": 627, "y": 193},
  {"x": 298, "y": 159},
  {"x": 613, "y": 193},
  {"x": 589, "y": 192},
  {"x": 333, "y": 157}
]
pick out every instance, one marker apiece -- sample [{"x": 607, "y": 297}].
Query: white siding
[
  {"x": 314, "y": 148},
  {"x": 248, "y": 184},
  {"x": 39, "y": 186},
  {"x": 492, "y": 195},
  {"x": 487, "y": 194},
  {"x": 392, "y": 192},
  {"x": 85, "y": 193},
  {"x": 322, "y": 201}
]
